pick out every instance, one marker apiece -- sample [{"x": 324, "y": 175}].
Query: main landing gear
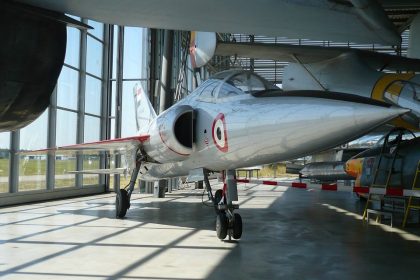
[
  {"x": 122, "y": 199},
  {"x": 227, "y": 222}
]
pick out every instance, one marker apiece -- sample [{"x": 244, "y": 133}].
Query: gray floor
[{"x": 288, "y": 234}]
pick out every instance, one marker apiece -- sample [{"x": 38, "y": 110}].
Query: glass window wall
[
  {"x": 128, "y": 124},
  {"x": 66, "y": 130},
  {"x": 94, "y": 54},
  {"x": 73, "y": 47},
  {"x": 98, "y": 29},
  {"x": 91, "y": 162},
  {"x": 64, "y": 163},
  {"x": 133, "y": 47},
  {"x": 67, "y": 113},
  {"x": 4, "y": 161},
  {"x": 92, "y": 129},
  {"x": 93, "y": 96},
  {"x": 32, "y": 167},
  {"x": 68, "y": 88}
]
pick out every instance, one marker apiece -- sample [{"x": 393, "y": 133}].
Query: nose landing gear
[{"x": 228, "y": 223}]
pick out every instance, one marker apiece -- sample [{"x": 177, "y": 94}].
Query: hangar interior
[
  {"x": 106, "y": 63},
  {"x": 57, "y": 223}
]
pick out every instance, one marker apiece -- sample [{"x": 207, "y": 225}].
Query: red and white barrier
[{"x": 335, "y": 187}]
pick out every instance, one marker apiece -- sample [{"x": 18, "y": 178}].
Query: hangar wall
[
  {"x": 74, "y": 115},
  {"x": 93, "y": 100}
]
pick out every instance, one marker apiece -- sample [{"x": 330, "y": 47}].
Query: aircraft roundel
[{"x": 219, "y": 133}]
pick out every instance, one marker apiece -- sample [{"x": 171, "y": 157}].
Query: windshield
[
  {"x": 245, "y": 81},
  {"x": 231, "y": 83}
]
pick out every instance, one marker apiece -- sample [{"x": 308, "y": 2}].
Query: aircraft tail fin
[{"x": 143, "y": 109}]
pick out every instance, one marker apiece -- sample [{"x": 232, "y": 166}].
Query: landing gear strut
[
  {"x": 122, "y": 199},
  {"x": 227, "y": 222}
]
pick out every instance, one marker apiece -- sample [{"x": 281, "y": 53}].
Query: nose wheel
[{"x": 227, "y": 224}]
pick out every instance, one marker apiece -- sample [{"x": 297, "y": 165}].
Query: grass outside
[
  {"x": 4, "y": 167},
  {"x": 4, "y": 173},
  {"x": 123, "y": 181},
  {"x": 269, "y": 171},
  {"x": 33, "y": 172}
]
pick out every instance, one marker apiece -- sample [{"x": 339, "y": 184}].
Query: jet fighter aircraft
[
  {"x": 337, "y": 69},
  {"x": 237, "y": 119}
]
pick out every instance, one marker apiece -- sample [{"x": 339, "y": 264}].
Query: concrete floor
[{"x": 288, "y": 234}]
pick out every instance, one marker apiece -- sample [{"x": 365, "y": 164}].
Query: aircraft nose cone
[
  {"x": 376, "y": 116},
  {"x": 398, "y": 111}
]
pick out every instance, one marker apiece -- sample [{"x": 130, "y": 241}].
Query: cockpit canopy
[
  {"x": 232, "y": 83},
  {"x": 246, "y": 81}
]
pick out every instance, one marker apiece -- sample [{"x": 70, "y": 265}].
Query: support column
[
  {"x": 81, "y": 104},
  {"x": 251, "y": 60},
  {"x": 153, "y": 61},
  {"x": 159, "y": 188},
  {"x": 153, "y": 89},
  {"x": 232, "y": 189},
  {"x": 199, "y": 185},
  {"x": 176, "y": 183},
  {"x": 142, "y": 185},
  {"x": 165, "y": 96},
  {"x": 14, "y": 161},
  {"x": 105, "y": 101},
  {"x": 52, "y": 127},
  {"x": 118, "y": 97}
]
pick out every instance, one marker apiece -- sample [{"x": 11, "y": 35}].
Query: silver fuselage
[{"x": 261, "y": 130}]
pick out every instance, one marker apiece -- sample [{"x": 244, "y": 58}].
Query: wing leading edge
[{"x": 118, "y": 145}]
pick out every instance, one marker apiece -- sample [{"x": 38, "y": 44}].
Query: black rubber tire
[
  {"x": 221, "y": 225},
  {"x": 121, "y": 204},
  {"x": 218, "y": 195},
  {"x": 237, "y": 226}
]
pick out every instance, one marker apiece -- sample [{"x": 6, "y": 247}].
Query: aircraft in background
[
  {"x": 235, "y": 119},
  {"x": 333, "y": 69},
  {"x": 397, "y": 152},
  {"x": 329, "y": 166}
]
